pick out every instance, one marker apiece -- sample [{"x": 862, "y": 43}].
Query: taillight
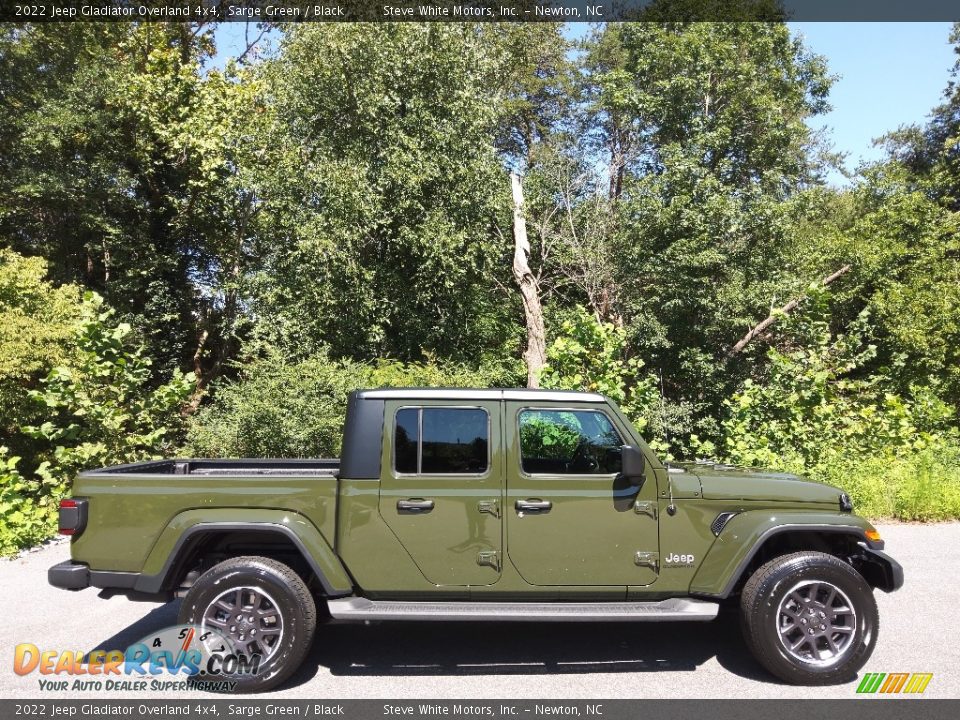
[{"x": 73, "y": 516}]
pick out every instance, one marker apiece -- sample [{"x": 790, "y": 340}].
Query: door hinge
[
  {"x": 648, "y": 559},
  {"x": 489, "y": 506},
  {"x": 642, "y": 507},
  {"x": 490, "y": 558}
]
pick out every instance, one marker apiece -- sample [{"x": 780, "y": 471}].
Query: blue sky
[{"x": 890, "y": 74}]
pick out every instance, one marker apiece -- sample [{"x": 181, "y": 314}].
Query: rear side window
[
  {"x": 568, "y": 442},
  {"x": 406, "y": 440},
  {"x": 441, "y": 441}
]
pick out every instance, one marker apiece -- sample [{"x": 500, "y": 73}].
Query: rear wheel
[
  {"x": 809, "y": 618},
  {"x": 262, "y": 608}
]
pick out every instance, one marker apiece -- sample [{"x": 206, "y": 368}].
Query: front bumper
[
  {"x": 69, "y": 575},
  {"x": 882, "y": 570}
]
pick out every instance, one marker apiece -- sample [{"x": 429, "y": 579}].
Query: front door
[
  {"x": 571, "y": 518},
  {"x": 441, "y": 496}
]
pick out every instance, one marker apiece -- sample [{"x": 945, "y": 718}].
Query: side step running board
[{"x": 672, "y": 609}]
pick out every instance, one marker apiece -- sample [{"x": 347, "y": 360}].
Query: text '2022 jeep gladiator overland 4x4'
[{"x": 483, "y": 505}]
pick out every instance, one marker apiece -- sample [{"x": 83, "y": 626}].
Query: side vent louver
[{"x": 716, "y": 527}]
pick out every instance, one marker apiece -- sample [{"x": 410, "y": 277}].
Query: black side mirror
[{"x": 631, "y": 464}]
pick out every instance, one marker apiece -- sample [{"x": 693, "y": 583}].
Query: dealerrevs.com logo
[
  {"x": 181, "y": 657},
  {"x": 894, "y": 683}
]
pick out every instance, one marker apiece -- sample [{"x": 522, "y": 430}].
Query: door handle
[
  {"x": 533, "y": 506},
  {"x": 414, "y": 506}
]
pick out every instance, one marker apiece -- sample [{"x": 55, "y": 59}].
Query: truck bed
[{"x": 321, "y": 467}]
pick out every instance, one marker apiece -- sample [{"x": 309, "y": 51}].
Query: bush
[
  {"x": 897, "y": 454},
  {"x": 36, "y": 332},
  {"x": 276, "y": 410},
  {"x": 280, "y": 410},
  {"x": 924, "y": 485},
  {"x": 27, "y": 515},
  {"x": 589, "y": 355},
  {"x": 105, "y": 407}
]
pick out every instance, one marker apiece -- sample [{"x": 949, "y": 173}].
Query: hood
[{"x": 726, "y": 482}]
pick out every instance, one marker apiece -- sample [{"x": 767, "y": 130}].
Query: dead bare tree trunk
[
  {"x": 535, "y": 356},
  {"x": 772, "y": 318}
]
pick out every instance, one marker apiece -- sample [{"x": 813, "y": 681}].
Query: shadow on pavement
[
  {"x": 397, "y": 649},
  {"x": 160, "y": 617},
  {"x": 473, "y": 649}
]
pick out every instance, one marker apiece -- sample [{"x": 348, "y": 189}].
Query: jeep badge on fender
[{"x": 479, "y": 505}]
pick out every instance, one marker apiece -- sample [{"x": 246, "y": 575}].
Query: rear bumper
[{"x": 69, "y": 575}]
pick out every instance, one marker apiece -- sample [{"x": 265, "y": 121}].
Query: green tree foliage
[
  {"x": 703, "y": 125},
  {"x": 590, "y": 355},
  {"x": 277, "y": 409},
  {"x": 27, "y": 515},
  {"x": 903, "y": 247},
  {"x": 555, "y": 439},
  {"x": 118, "y": 160},
  {"x": 99, "y": 404},
  {"x": 107, "y": 406},
  {"x": 908, "y": 253},
  {"x": 539, "y": 87},
  {"x": 902, "y": 234},
  {"x": 338, "y": 214},
  {"x": 384, "y": 195},
  {"x": 36, "y": 326},
  {"x": 817, "y": 412},
  {"x": 931, "y": 154},
  {"x": 280, "y": 409}
]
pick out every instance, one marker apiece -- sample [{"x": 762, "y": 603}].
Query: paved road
[{"x": 424, "y": 660}]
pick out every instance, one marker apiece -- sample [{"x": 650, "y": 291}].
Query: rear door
[
  {"x": 441, "y": 495},
  {"x": 571, "y": 519}
]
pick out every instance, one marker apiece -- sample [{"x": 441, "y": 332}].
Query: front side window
[
  {"x": 568, "y": 442},
  {"x": 441, "y": 441}
]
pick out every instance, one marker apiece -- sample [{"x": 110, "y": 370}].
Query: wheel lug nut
[
  {"x": 809, "y": 631},
  {"x": 239, "y": 618},
  {"x": 253, "y": 632},
  {"x": 233, "y": 628}
]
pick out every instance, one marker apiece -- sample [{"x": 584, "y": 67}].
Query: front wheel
[
  {"x": 260, "y": 607},
  {"x": 809, "y": 618}
]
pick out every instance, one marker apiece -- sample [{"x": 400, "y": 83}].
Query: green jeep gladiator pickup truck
[{"x": 489, "y": 505}]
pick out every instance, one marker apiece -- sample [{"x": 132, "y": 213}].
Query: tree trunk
[
  {"x": 535, "y": 356},
  {"x": 617, "y": 164},
  {"x": 772, "y": 318}
]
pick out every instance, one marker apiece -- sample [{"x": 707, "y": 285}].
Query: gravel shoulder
[{"x": 513, "y": 660}]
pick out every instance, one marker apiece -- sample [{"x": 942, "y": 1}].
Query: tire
[
  {"x": 790, "y": 596},
  {"x": 247, "y": 584}
]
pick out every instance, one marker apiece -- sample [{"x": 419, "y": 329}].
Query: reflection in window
[
  {"x": 437, "y": 441},
  {"x": 568, "y": 442}
]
